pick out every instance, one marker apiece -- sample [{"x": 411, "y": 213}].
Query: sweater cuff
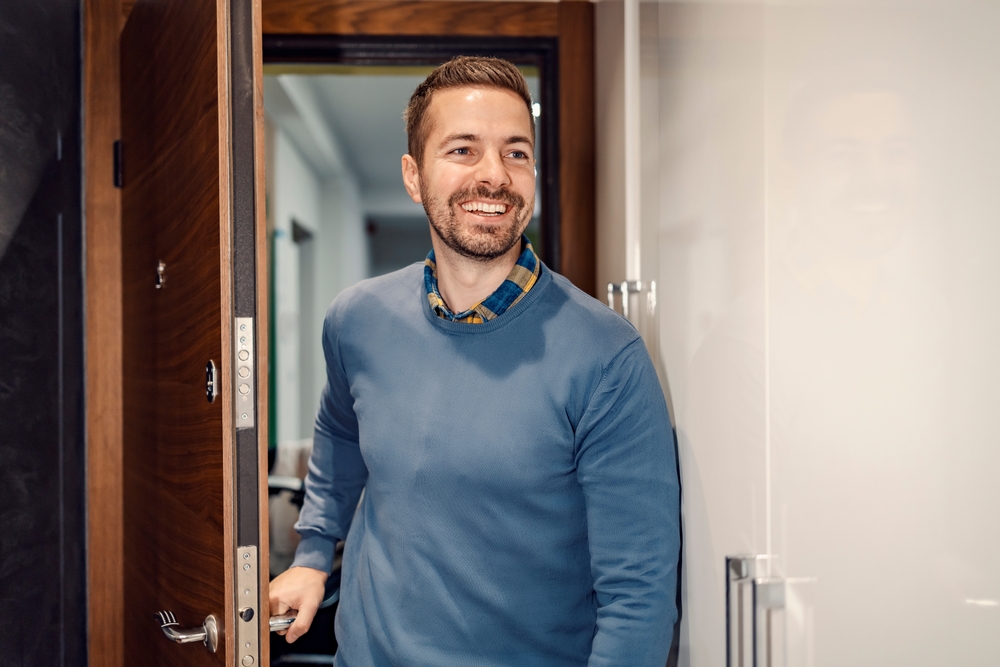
[{"x": 315, "y": 551}]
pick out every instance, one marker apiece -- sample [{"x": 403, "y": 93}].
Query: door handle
[
  {"x": 743, "y": 577},
  {"x": 760, "y": 632},
  {"x": 625, "y": 288},
  {"x": 207, "y": 633},
  {"x": 284, "y": 621}
]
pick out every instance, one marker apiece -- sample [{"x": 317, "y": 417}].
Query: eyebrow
[
  {"x": 517, "y": 139},
  {"x": 459, "y": 137}
]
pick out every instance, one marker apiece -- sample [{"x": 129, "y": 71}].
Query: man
[{"x": 520, "y": 495}]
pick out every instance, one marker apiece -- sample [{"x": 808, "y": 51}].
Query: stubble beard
[{"x": 480, "y": 243}]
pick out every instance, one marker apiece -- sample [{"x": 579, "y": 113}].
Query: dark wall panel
[{"x": 42, "y": 531}]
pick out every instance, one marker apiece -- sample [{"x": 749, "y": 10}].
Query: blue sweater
[{"x": 521, "y": 504}]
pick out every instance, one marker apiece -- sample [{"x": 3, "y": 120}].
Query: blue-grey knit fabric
[{"x": 521, "y": 504}]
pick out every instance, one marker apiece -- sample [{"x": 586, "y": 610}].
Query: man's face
[{"x": 477, "y": 180}]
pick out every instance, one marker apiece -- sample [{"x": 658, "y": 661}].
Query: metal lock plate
[
  {"x": 248, "y": 604},
  {"x": 243, "y": 363}
]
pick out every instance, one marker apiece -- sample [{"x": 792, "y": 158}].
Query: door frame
[
  {"x": 421, "y": 51},
  {"x": 570, "y": 22}
]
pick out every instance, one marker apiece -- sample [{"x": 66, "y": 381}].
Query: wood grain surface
[
  {"x": 577, "y": 164},
  {"x": 391, "y": 17},
  {"x": 177, "y": 516},
  {"x": 102, "y": 210}
]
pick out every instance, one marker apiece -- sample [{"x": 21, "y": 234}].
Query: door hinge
[{"x": 117, "y": 150}]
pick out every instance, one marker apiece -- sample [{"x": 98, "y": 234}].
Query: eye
[
  {"x": 462, "y": 151},
  {"x": 518, "y": 155}
]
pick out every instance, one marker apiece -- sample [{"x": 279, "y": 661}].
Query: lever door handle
[
  {"x": 207, "y": 633},
  {"x": 284, "y": 621}
]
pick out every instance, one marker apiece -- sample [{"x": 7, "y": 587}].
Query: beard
[{"x": 481, "y": 243}]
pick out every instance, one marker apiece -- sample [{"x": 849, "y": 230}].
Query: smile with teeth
[{"x": 484, "y": 208}]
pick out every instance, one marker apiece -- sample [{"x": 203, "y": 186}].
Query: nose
[{"x": 491, "y": 171}]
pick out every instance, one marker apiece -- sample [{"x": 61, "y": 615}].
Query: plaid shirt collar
[{"x": 521, "y": 278}]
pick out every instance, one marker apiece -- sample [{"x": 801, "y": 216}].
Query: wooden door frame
[{"x": 571, "y": 22}]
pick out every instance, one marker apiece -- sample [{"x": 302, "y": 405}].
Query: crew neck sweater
[{"x": 521, "y": 504}]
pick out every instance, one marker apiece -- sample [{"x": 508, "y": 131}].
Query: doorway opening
[{"x": 337, "y": 213}]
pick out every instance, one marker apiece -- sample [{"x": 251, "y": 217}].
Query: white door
[{"x": 817, "y": 207}]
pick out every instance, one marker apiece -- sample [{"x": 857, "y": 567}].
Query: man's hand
[{"x": 299, "y": 588}]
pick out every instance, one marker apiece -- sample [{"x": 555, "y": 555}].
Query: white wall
[
  {"x": 309, "y": 276},
  {"x": 341, "y": 254},
  {"x": 296, "y": 196}
]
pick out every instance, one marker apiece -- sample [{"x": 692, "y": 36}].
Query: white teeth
[{"x": 484, "y": 208}]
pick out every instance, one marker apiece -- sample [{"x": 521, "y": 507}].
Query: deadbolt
[
  {"x": 243, "y": 351},
  {"x": 246, "y": 613}
]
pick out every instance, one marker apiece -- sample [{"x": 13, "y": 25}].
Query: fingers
[
  {"x": 304, "y": 619},
  {"x": 298, "y": 588}
]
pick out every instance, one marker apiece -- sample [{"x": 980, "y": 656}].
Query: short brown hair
[{"x": 456, "y": 73}]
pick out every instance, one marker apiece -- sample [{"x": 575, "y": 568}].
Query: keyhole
[{"x": 161, "y": 276}]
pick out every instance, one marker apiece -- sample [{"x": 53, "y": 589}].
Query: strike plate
[
  {"x": 243, "y": 362},
  {"x": 247, "y": 604}
]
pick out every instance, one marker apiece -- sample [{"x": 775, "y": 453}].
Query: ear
[{"x": 411, "y": 178}]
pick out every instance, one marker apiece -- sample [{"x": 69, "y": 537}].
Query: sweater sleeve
[
  {"x": 627, "y": 468},
  {"x": 337, "y": 472}
]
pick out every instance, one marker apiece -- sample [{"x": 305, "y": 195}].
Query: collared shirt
[{"x": 519, "y": 281}]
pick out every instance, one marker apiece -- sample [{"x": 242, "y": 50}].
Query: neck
[{"x": 464, "y": 282}]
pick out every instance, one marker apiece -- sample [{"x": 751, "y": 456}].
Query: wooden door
[{"x": 193, "y": 527}]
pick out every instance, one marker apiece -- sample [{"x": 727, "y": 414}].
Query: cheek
[
  {"x": 449, "y": 180},
  {"x": 523, "y": 182}
]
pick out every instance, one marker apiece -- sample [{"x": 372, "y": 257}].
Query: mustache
[{"x": 482, "y": 192}]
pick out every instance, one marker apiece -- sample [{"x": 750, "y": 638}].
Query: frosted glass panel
[{"x": 820, "y": 213}]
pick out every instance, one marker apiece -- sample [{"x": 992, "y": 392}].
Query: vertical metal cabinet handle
[
  {"x": 207, "y": 633},
  {"x": 766, "y": 595},
  {"x": 625, "y": 288}
]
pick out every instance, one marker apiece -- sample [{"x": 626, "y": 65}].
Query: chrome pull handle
[
  {"x": 625, "y": 288},
  {"x": 207, "y": 633},
  {"x": 742, "y": 573},
  {"x": 768, "y": 596}
]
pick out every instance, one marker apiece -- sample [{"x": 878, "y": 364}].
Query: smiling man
[{"x": 521, "y": 504}]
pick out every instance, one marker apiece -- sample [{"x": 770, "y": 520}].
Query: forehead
[{"x": 478, "y": 110}]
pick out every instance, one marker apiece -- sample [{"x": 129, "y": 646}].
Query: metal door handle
[
  {"x": 625, "y": 288},
  {"x": 207, "y": 633},
  {"x": 284, "y": 621},
  {"x": 742, "y": 573}
]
